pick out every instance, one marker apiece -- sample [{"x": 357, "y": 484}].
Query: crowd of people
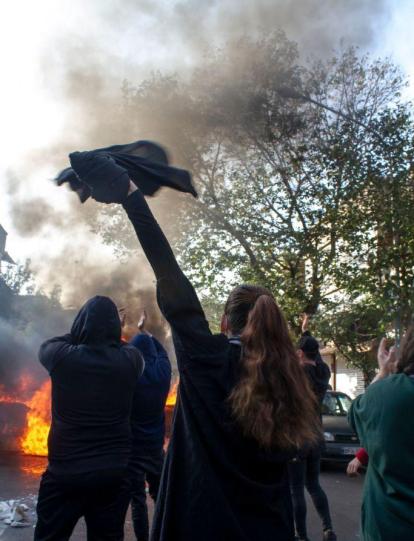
[{"x": 246, "y": 438}]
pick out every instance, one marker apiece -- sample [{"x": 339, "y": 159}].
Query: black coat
[
  {"x": 318, "y": 375},
  {"x": 216, "y": 484},
  {"x": 93, "y": 381}
]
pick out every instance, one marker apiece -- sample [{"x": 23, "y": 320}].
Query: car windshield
[{"x": 336, "y": 404}]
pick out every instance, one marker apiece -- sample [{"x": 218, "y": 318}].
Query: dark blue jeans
[
  {"x": 304, "y": 472},
  {"x": 145, "y": 467}
]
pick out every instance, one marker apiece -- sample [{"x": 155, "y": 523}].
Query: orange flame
[
  {"x": 34, "y": 440},
  {"x": 172, "y": 395}
]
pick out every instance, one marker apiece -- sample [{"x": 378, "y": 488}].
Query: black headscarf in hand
[{"x": 145, "y": 162}]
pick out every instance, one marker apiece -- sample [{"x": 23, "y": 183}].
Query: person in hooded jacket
[
  {"x": 304, "y": 469},
  {"x": 244, "y": 402},
  {"x": 148, "y": 426},
  {"x": 93, "y": 376},
  {"x": 381, "y": 417}
]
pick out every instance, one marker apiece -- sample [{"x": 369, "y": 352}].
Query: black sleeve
[
  {"x": 161, "y": 351},
  {"x": 163, "y": 361},
  {"x": 54, "y": 350},
  {"x": 176, "y": 296},
  {"x": 137, "y": 359}
]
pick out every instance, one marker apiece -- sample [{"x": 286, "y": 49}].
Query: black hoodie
[
  {"x": 318, "y": 374},
  {"x": 93, "y": 381}
]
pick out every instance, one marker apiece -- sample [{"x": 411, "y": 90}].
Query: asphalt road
[{"x": 19, "y": 479}]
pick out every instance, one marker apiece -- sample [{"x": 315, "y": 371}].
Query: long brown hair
[{"x": 272, "y": 401}]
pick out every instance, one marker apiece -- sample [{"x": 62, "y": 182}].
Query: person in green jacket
[{"x": 382, "y": 419}]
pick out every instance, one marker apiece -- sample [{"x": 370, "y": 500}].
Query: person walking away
[
  {"x": 244, "y": 402},
  {"x": 93, "y": 382},
  {"x": 379, "y": 416},
  {"x": 304, "y": 469},
  {"x": 148, "y": 426}
]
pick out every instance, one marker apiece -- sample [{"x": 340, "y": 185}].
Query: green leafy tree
[{"x": 19, "y": 278}]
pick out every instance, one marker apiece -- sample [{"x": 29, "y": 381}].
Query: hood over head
[
  {"x": 97, "y": 323},
  {"x": 310, "y": 347}
]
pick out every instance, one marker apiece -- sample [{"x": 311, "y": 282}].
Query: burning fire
[
  {"x": 172, "y": 395},
  {"x": 34, "y": 440}
]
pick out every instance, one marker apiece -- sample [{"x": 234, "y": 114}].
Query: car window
[
  {"x": 345, "y": 402},
  {"x": 336, "y": 404}
]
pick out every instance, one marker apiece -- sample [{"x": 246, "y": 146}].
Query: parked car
[{"x": 341, "y": 442}]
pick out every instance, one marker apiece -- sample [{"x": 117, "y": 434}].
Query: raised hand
[
  {"x": 386, "y": 358},
  {"x": 142, "y": 321},
  {"x": 305, "y": 321},
  {"x": 122, "y": 316}
]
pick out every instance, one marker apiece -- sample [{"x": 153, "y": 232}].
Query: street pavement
[{"x": 19, "y": 479}]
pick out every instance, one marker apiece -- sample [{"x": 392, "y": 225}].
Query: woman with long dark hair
[{"x": 244, "y": 405}]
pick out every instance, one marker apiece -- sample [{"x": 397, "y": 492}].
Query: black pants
[
  {"x": 304, "y": 471},
  {"x": 99, "y": 497},
  {"x": 145, "y": 466}
]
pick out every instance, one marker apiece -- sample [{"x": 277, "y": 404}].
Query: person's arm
[
  {"x": 362, "y": 456},
  {"x": 136, "y": 358},
  {"x": 361, "y": 459},
  {"x": 304, "y": 325},
  {"x": 306, "y": 332},
  {"x": 54, "y": 350},
  {"x": 176, "y": 296},
  {"x": 161, "y": 351},
  {"x": 163, "y": 361}
]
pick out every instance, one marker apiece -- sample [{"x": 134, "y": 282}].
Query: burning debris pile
[
  {"x": 29, "y": 430},
  {"x": 20, "y": 379},
  {"x": 34, "y": 439},
  {"x": 24, "y": 387}
]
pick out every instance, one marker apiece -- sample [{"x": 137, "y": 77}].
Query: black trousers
[
  {"x": 145, "y": 466},
  {"x": 304, "y": 472},
  {"x": 99, "y": 497}
]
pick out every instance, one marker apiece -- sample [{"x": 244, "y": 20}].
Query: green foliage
[
  {"x": 354, "y": 328},
  {"x": 19, "y": 278}
]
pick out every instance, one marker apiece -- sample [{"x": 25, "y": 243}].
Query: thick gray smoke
[
  {"x": 34, "y": 214},
  {"x": 86, "y": 66},
  {"x": 317, "y": 25},
  {"x": 32, "y": 320}
]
